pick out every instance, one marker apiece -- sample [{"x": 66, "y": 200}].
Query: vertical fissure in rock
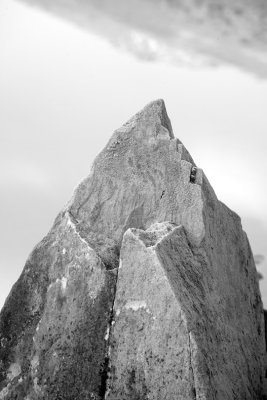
[
  {"x": 193, "y": 174},
  {"x": 191, "y": 368},
  {"x": 105, "y": 375},
  {"x": 72, "y": 218}
]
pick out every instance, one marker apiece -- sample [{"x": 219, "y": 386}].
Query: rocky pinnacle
[{"x": 144, "y": 288}]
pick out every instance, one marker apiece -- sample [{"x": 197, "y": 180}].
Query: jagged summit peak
[
  {"x": 145, "y": 286},
  {"x": 155, "y": 110},
  {"x": 141, "y": 177},
  {"x": 151, "y": 122}
]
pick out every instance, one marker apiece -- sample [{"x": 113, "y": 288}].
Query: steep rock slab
[
  {"x": 219, "y": 302},
  {"x": 54, "y": 327},
  {"x": 54, "y": 323},
  {"x": 150, "y": 354},
  {"x": 171, "y": 337}
]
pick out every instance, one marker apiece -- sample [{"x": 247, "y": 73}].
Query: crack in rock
[
  {"x": 105, "y": 375},
  {"x": 191, "y": 367}
]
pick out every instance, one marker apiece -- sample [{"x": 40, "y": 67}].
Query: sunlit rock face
[
  {"x": 145, "y": 287},
  {"x": 187, "y": 32}
]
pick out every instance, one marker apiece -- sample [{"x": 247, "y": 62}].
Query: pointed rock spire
[{"x": 145, "y": 286}]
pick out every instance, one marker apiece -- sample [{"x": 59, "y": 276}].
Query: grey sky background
[{"x": 64, "y": 90}]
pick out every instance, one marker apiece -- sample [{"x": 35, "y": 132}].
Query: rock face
[{"x": 145, "y": 287}]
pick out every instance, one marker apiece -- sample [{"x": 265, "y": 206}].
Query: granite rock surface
[{"x": 144, "y": 288}]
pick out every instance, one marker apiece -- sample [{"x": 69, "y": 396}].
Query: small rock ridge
[{"x": 155, "y": 233}]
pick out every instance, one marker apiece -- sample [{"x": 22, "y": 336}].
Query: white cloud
[{"x": 168, "y": 30}]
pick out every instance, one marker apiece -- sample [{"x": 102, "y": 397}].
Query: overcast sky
[{"x": 64, "y": 90}]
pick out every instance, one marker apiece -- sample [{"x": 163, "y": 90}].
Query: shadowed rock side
[
  {"x": 54, "y": 322},
  {"x": 181, "y": 330},
  {"x": 182, "y": 316}
]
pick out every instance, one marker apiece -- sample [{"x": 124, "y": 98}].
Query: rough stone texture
[
  {"x": 180, "y": 319},
  {"x": 54, "y": 322},
  {"x": 150, "y": 356},
  {"x": 182, "y": 328}
]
